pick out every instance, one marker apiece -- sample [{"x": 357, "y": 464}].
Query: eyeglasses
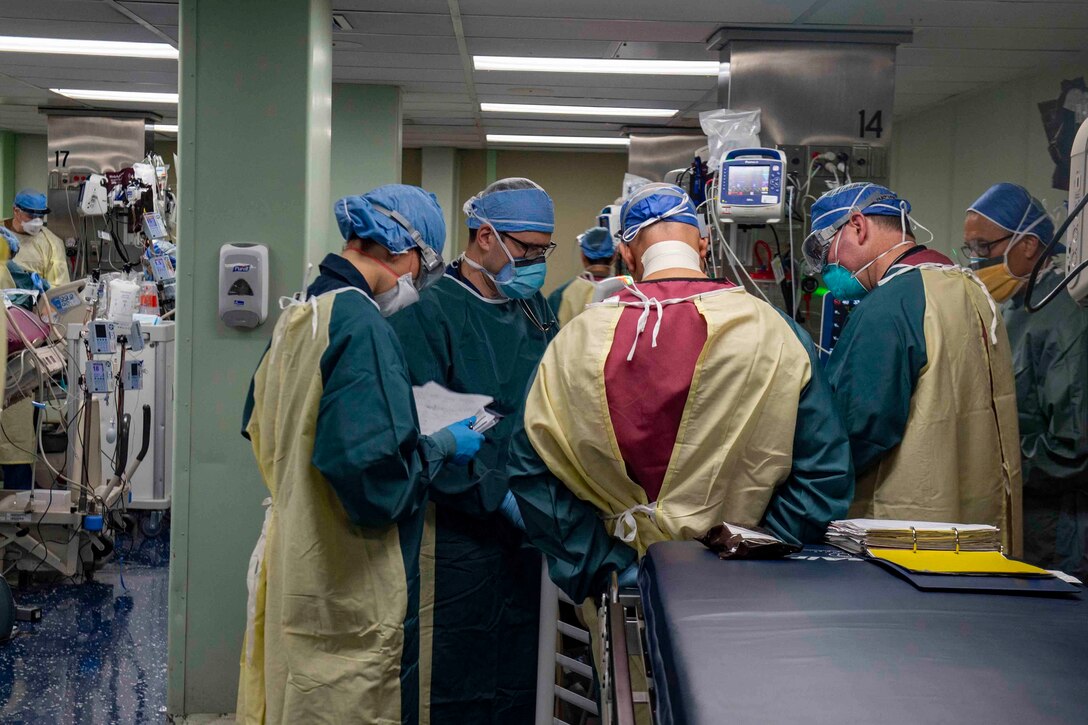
[
  {"x": 981, "y": 250},
  {"x": 531, "y": 251}
]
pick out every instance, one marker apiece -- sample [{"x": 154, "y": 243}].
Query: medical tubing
[
  {"x": 721, "y": 233},
  {"x": 732, "y": 255},
  {"x": 122, "y": 444},
  {"x": 795, "y": 271},
  {"x": 1046, "y": 253}
]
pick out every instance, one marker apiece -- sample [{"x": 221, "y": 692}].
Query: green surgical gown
[
  {"x": 1050, "y": 360},
  {"x": 486, "y": 577}
]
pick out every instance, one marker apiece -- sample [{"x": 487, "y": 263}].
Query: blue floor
[{"x": 99, "y": 653}]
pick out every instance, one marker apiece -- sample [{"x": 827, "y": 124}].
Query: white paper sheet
[{"x": 439, "y": 407}]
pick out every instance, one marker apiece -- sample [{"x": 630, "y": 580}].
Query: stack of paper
[
  {"x": 438, "y": 407},
  {"x": 857, "y": 535}
]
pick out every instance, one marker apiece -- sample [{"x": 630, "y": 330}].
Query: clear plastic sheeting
[
  {"x": 632, "y": 183},
  {"x": 727, "y": 130}
]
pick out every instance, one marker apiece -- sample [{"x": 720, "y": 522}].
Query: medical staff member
[
  {"x": 18, "y": 440},
  {"x": 40, "y": 250},
  {"x": 482, "y": 329},
  {"x": 598, "y": 256},
  {"x": 922, "y": 373},
  {"x": 1005, "y": 232},
  {"x": 677, "y": 404},
  {"x": 334, "y": 591},
  {"x": 9, "y": 245}
]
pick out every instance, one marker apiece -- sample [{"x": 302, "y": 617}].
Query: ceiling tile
[
  {"x": 370, "y": 43},
  {"x": 958, "y": 46},
  {"x": 117, "y": 28},
  {"x": 616, "y": 30},
  {"x": 701, "y": 11},
  {"x": 971, "y": 14}
]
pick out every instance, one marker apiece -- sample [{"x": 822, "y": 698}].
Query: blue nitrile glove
[
  {"x": 629, "y": 577},
  {"x": 466, "y": 440},
  {"x": 11, "y": 239},
  {"x": 510, "y": 510}
]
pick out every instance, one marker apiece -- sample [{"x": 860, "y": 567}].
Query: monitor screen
[
  {"x": 749, "y": 180},
  {"x": 751, "y": 184}
]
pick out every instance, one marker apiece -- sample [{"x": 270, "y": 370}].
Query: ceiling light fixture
[
  {"x": 557, "y": 140},
  {"x": 124, "y": 96},
  {"x": 598, "y": 65},
  {"x": 555, "y": 110},
  {"x": 110, "y": 48},
  {"x": 161, "y": 128}
]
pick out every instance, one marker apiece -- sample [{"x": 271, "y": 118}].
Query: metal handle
[{"x": 621, "y": 666}]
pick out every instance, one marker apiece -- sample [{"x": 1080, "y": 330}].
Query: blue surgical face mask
[
  {"x": 519, "y": 279},
  {"x": 842, "y": 283},
  {"x": 527, "y": 279}
]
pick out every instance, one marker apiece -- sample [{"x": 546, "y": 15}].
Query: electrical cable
[
  {"x": 795, "y": 268},
  {"x": 1032, "y": 280},
  {"x": 732, "y": 255}
]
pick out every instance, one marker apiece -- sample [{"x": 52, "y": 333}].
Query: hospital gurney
[{"x": 824, "y": 637}]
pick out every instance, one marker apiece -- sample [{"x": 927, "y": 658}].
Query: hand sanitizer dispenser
[{"x": 243, "y": 284}]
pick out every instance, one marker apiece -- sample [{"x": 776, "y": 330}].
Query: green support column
[
  {"x": 439, "y": 176},
  {"x": 255, "y": 86},
  {"x": 492, "y": 166},
  {"x": 366, "y": 141},
  {"x": 7, "y": 172}
]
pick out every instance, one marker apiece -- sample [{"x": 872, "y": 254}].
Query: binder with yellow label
[{"x": 981, "y": 563}]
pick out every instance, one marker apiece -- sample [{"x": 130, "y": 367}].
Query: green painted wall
[
  {"x": 438, "y": 175},
  {"x": 366, "y": 142},
  {"x": 7, "y": 172},
  {"x": 31, "y": 161},
  {"x": 944, "y": 157},
  {"x": 254, "y": 149}
]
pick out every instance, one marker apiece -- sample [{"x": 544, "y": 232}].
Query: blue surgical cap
[
  {"x": 656, "y": 203},
  {"x": 31, "y": 201},
  {"x": 358, "y": 217},
  {"x": 1012, "y": 208},
  {"x": 597, "y": 243},
  {"x": 838, "y": 203},
  {"x": 507, "y": 208}
]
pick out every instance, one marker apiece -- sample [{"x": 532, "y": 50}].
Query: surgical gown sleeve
[
  {"x": 821, "y": 482},
  {"x": 875, "y": 366},
  {"x": 367, "y": 442},
  {"x": 581, "y": 554}
]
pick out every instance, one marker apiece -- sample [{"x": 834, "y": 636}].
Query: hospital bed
[{"x": 825, "y": 637}]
